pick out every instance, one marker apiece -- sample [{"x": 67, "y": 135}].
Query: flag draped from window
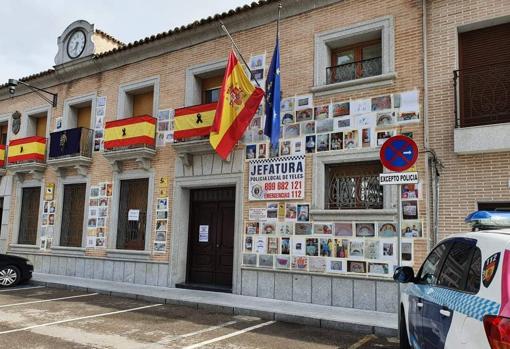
[
  {"x": 27, "y": 149},
  {"x": 273, "y": 98},
  {"x": 194, "y": 121},
  {"x": 237, "y": 105}
]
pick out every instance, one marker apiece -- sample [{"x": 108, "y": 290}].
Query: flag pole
[
  {"x": 239, "y": 52},
  {"x": 278, "y": 21}
]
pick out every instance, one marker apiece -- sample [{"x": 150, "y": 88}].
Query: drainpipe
[{"x": 428, "y": 170}]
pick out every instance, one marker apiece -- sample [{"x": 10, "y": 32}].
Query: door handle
[
  {"x": 445, "y": 312},
  {"x": 217, "y": 245},
  {"x": 419, "y": 305}
]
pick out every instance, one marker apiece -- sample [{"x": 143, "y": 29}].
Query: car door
[
  {"x": 426, "y": 278},
  {"x": 440, "y": 298}
]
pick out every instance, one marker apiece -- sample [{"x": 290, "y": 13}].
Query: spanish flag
[
  {"x": 27, "y": 149},
  {"x": 135, "y": 131},
  {"x": 238, "y": 102},
  {"x": 194, "y": 121},
  {"x": 2, "y": 155}
]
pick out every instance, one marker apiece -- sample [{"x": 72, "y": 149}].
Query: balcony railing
[
  {"x": 354, "y": 192},
  {"x": 130, "y": 133},
  {"x": 27, "y": 150},
  {"x": 71, "y": 143},
  {"x": 354, "y": 70},
  {"x": 482, "y": 95}
]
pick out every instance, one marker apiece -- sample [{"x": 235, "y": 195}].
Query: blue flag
[{"x": 273, "y": 97}]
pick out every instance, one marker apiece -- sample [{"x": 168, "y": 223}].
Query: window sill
[
  {"x": 380, "y": 215},
  {"x": 357, "y": 84},
  {"x": 482, "y": 139},
  {"x": 68, "y": 251},
  {"x": 19, "y": 248},
  {"x": 129, "y": 255}
]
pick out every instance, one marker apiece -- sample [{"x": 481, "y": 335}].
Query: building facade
[{"x": 98, "y": 187}]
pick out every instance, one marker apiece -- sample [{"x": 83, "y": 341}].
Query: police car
[{"x": 460, "y": 297}]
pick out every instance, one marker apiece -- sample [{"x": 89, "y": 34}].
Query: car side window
[
  {"x": 475, "y": 272},
  {"x": 428, "y": 272},
  {"x": 456, "y": 266}
]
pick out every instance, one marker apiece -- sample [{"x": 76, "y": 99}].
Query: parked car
[
  {"x": 460, "y": 297},
  {"x": 14, "y": 270}
]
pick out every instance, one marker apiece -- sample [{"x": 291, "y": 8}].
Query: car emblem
[{"x": 489, "y": 269}]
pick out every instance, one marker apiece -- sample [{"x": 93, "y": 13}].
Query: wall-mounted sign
[
  {"x": 50, "y": 190},
  {"x": 281, "y": 178},
  {"x": 133, "y": 215},
  {"x": 203, "y": 233},
  {"x": 398, "y": 178}
]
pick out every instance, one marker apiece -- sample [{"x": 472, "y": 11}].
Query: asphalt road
[{"x": 41, "y": 317}]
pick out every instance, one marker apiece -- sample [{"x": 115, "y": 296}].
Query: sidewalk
[{"x": 364, "y": 321}]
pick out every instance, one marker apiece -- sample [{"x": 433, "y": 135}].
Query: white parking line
[
  {"x": 48, "y": 300},
  {"x": 170, "y": 339},
  {"x": 79, "y": 318},
  {"x": 237, "y": 333},
  {"x": 21, "y": 288}
]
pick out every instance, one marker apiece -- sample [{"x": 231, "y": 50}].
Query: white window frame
[
  {"x": 194, "y": 76},
  {"x": 26, "y": 126},
  {"x": 318, "y": 209},
  {"x": 70, "y": 117},
  {"x": 124, "y": 101},
  {"x": 114, "y": 211},
  {"x": 326, "y": 41}
]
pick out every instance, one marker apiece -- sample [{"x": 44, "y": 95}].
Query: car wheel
[
  {"x": 9, "y": 276},
  {"x": 404, "y": 340}
]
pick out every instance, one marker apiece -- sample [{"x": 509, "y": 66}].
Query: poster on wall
[{"x": 281, "y": 178}]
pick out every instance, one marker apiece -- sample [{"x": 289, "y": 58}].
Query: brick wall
[
  {"x": 297, "y": 56},
  {"x": 466, "y": 179}
]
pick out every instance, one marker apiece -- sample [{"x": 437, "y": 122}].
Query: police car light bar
[{"x": 484, "y": 220}]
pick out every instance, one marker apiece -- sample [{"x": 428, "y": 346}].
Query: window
[
  {"x": 29, "y": 215},
  {"x": 456, "y": 265},
  {"x": 355, "y": 57},
  {"x": 4, "y": 131},
  {"x": 132, "y": 217},
  {"x": 356, "y": 61},
  {"x": 474, "y": 274},
  {"x": 211, "y": 89},
  {"x": 484, "y": 71},
  {"x": 494, "y": 206},
  {"x": 354, "y": 186},
  {"x": 138, "y": 98},
  {"x": 73, "y": 207},
  {"x": 429, "y": 270},
  {"x": 37, "y": 124}
]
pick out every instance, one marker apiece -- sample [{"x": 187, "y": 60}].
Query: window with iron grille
[
  {"x": 356, "y": 61},
  {"x": 354, "y": 186}
]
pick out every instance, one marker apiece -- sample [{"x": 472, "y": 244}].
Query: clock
[{"x": 76, "y": 44}]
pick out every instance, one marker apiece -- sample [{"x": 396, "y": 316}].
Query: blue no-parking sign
[{"x": 399, "y": 153}]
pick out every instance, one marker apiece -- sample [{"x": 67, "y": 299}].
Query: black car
[{"x": 14, "y": 270}]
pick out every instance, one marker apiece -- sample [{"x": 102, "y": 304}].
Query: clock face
[{"x": 76, "y": 44}]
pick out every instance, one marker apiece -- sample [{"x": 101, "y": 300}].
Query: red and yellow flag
[
  {"x": 130, "y": 132},
  {"x": 27, "y": 149},
  {"x": 237, "y": 105},
  {"x": 2, "y": 155},
  {"x": 194, "y": 121}
]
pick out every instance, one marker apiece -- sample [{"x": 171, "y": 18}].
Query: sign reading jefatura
[{"x": 281, "y": 178}]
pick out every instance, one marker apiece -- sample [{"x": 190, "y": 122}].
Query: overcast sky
[{"x": 30, "y": 28}]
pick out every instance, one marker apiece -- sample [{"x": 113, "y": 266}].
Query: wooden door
[
  {"x": 133, "y": 196},
  {"x": 210, "y": 255},
  {"x": 71, "y": 230},
  {"x": 29, "y": 216}
]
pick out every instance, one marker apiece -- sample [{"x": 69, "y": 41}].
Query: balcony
[
  {"x": 482, "y": 109},
  {"x": 2, "y": 159},
  {"x": 71, "y": 148},
  {"x": 355, "y": 70},
  {"x": 130, "y": 139},
  {"x": 27, "y": 156}
]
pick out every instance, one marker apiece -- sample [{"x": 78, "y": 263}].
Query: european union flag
[{"x": 273, "y": 97}]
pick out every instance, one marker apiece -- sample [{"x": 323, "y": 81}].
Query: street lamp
[{"x": 12, "y": 90}]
